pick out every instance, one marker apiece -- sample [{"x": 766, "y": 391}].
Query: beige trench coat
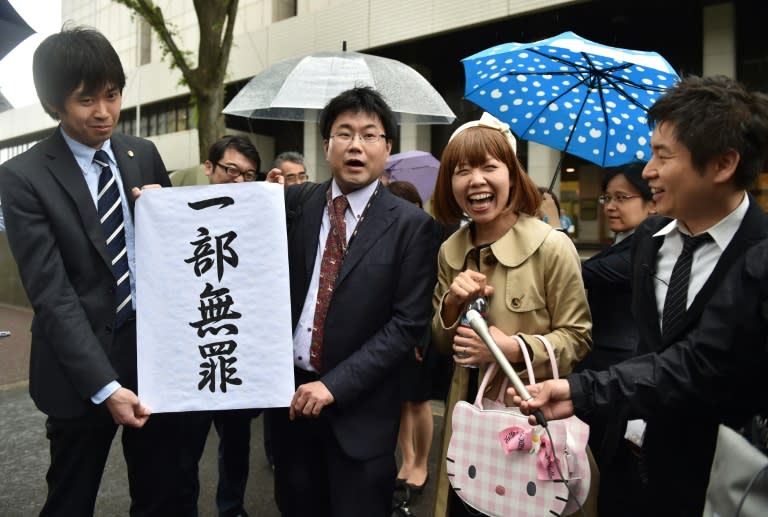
[{"x": 536, "y": 273}]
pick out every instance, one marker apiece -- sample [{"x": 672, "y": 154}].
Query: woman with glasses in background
[{"x": 626, "y": 202}]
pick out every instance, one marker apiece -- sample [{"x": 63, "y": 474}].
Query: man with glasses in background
[
  {"x": 291, "y": 164},
  {"x": 231, "y": 159}
]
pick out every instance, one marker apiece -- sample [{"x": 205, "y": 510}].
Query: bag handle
[
  {"x": 489, "y": 373},
  {"x": 551, "y": 352},
  {"x": 493, "y": 367}
]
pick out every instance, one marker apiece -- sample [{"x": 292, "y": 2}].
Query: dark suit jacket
[
  {"x": 679, "y": 444},
  {"x": 380, "y": 309},
  {"x": 58, "y": 244},
  {"x": 607, "y": 279}
]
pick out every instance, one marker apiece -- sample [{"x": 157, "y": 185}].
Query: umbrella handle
[{"x": 557, "y": 172}]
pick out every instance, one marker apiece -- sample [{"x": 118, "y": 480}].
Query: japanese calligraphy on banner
[{"x": 213, "y": 304}]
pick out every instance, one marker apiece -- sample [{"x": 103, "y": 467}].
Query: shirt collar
[
  {"x": 721, "y": 232},
  {"x": 84, "y": 154},
  {"x": 358, "y": 199},
  {"x": 620, "y": 236}
]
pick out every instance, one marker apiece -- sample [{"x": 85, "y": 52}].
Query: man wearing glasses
[
  {"x": 231, "y": 159},
  {"x": 362, "y": 269},
  {"x": 292, "y": 166}
]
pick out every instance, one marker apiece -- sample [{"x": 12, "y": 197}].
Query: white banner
[{"x": 213, "y": 301}]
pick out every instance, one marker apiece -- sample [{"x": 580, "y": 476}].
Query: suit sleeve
[
  {"x": 716, "y": 365},
  {"x": 608, "y": 270}
]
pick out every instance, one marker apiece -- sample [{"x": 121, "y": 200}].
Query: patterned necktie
[
  {"x": 111, "y": 217},
  {"x": 676, "y": 300},
  {"x": 333, "y": 254}
]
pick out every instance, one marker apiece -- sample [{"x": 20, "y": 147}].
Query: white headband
[{"x": 488, "y": 120}]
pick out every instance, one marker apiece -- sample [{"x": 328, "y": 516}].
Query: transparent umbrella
[{"x": 299, "y": 88}]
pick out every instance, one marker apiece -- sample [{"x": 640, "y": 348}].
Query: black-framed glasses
[
  {"x": 234, "y": 172},
  {"x": 345, "y": 137},
  {"x": 619, "y": 198}
]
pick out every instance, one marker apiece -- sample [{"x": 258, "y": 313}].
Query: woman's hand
[
  {"x": 467, "y": 286},
  {"x": 470, "y": 348}
]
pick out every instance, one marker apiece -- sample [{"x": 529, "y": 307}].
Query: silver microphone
[{"x": 479, "y": 325}]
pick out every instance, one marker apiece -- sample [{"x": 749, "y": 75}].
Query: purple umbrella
[{"x": 417, "y": 167}]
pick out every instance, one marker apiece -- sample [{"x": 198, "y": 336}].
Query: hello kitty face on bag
[{"x": 517, "y": 482}]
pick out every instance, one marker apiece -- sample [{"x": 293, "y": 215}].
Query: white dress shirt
[
  {"x": 302, "y": 334},
  {"x": 705, "y": 257}
]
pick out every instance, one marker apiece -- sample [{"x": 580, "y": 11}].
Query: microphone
[{"x": 479, "y": 325}]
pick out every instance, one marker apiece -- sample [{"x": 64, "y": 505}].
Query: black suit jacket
[
  {"x": 679, "y": 444},
  {"x": 607, "y": 279},
  {"x": 645, "y": 248},
  {"x": 380, "y": 309},
  {"x": 57, "y": 241}
]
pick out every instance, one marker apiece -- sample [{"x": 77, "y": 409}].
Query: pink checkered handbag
[{"x": 502, "y": 466}]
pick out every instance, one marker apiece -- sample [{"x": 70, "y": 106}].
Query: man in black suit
[
  {"x": 709, "y": 144},
  {"x": 83, "y": 356},
  {"x": 334, "y": 447}
]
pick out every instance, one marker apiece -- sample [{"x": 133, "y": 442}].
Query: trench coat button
[{"x": 516, "y": 303}]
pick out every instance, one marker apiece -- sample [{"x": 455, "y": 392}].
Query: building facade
[{"x": 696, "y": 36}]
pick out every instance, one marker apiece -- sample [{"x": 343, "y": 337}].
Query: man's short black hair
[
  {"x": 237, "y": 143},
  {"x": 362, "y": 99},
  {"x": 712, "y": 115},
  {"x": 74, "y": 56}
]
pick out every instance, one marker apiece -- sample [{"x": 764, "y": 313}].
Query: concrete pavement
[{"x": 24, "y": 448}]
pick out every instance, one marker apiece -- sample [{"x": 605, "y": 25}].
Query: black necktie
[
  {"x": 111, "y": 216},
  {"x": 677, "y": 292}
]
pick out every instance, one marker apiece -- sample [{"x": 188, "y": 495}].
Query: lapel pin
[{"x": 130, "y": 154}]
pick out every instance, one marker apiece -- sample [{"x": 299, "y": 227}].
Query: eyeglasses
[
  {"x": 292, "y": 176},
  {"x": 234, "y": 172},
  {"x": 346, "y": 137},
  {"x": 619, "y": 198}
]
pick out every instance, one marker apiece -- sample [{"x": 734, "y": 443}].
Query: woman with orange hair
[{"x": 528, "y": 272}]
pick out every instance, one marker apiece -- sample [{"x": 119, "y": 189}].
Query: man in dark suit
[
  {"x": 709, "y": 145},
  {"x": 334, "y": 446},
  {"x": 83, "y": 356}
]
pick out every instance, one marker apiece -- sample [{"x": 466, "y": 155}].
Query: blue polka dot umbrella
[{"x": 572, "y": 94}]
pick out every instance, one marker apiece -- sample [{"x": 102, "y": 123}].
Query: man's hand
[
  {"x": 275, "y": 176},
  {"x": 136, "y": 191},
  {"x": 553, "y": 397},
  {"x": 126, "y": 408},
  {"x": 310, "y": 399}
]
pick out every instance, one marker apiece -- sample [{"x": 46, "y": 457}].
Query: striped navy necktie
[{"x": 111, "y": 217}]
